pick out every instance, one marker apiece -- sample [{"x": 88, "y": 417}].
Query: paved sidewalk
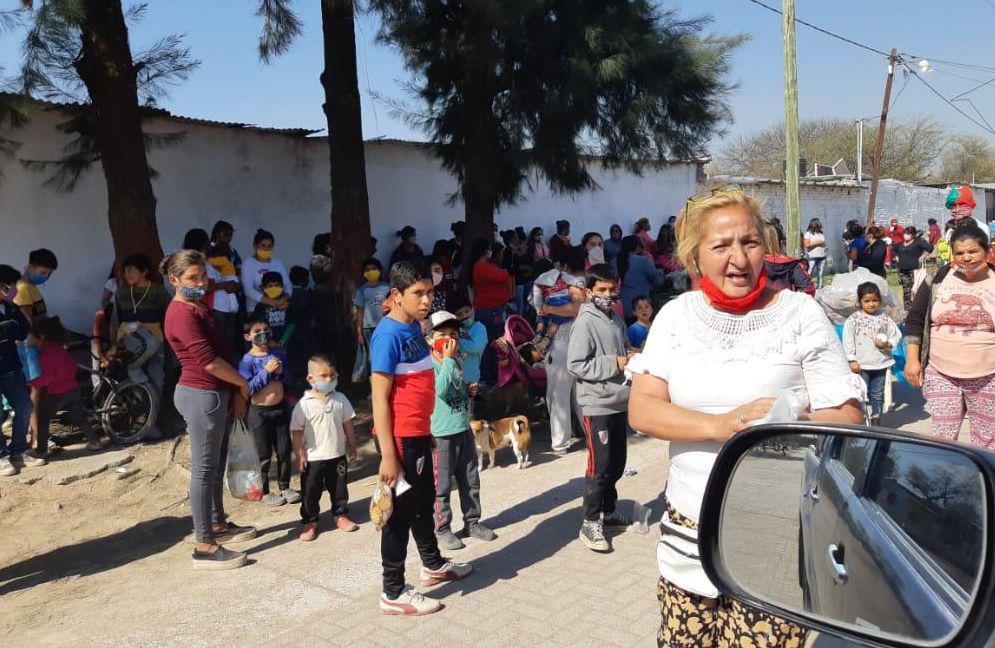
[{"x": 535, "y": 585}]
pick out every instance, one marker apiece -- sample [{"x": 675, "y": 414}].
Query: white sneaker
[
  {"x": 33, "y": 460},
  {"x": 451, "y": 571},
  {"x": 409, "y": 603},
  {"x": 7, "y": 469}
]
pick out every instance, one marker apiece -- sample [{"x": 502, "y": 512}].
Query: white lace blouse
[{"x": 714, "y": 362}]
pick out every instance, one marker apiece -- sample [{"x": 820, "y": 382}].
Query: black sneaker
[
  {"x": 218, "y": 560},
  {"x": 593, "y": 537},
  {"x": 235, "y": 533},
  {"x": 615, "y": 521}
]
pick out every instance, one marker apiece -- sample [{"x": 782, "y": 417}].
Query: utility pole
[
  {"x": 879, "y": 147},
  {"x": 792, "y": 208},
  {"x": 860, "y": 150}
]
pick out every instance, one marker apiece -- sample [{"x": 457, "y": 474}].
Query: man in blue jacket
[{"x": 13, "y": 385}]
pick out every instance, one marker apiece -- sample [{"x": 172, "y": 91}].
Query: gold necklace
[{"x": 134, "y": 304}]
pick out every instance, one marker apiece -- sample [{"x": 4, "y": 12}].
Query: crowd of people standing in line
[{"x": 245, "y": 336}]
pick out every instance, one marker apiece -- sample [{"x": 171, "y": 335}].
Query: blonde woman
[{"x": 714, "y": 361}]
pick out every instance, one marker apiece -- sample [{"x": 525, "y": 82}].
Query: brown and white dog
[{"x": 490, "y": 437}]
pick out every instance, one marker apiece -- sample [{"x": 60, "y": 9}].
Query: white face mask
[{"x": 596, "y": 255}]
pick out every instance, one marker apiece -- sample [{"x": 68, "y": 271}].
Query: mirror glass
[{"x": 886, "y": 537}]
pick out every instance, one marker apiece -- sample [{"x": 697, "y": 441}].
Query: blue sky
[{"x": 835, "y": 79}]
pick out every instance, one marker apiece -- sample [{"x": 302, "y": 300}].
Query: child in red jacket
[{"x": 55, "y": 390}]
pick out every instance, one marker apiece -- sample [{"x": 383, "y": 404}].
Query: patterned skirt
[{"x": 694, "y": 621}]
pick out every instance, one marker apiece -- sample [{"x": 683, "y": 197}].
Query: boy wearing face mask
[
  {"x": 368, "y": 303},
  {"x": 264, "y": 367},
  {"x": 281, "y": 319},
  {"x": 455, "y": 448},
  {"x": 41, "y": 264},
  {"x": 597, "y": 358},
  {"x": 324, "y": 442}
]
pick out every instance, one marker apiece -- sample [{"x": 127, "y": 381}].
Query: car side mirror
[{"x": 879, "y": 537}]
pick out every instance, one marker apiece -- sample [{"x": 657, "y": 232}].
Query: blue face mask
[
  {"x": 38, "y": 279},
  {"x": 325, "y": 386},
  {"x": 193, "y": 293},
  {"x": 467, "y": 322}
]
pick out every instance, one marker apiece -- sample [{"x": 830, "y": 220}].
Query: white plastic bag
[
  {"x": 245, "y": 479},
  {"x": 839, "y": 299},
  {"x": 787, "y": 408},
  {"x": 641, "y": 517},
  {"x": 361, "y": 370}
]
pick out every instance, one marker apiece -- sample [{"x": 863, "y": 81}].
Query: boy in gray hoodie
[{"x": 597, "y": 357}]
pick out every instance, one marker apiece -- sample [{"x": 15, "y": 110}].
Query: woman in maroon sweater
[{"x": 209, "y": 392}]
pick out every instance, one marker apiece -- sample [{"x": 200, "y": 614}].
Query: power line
[
  {"x": 955, "y": 75},
  {"x": 980, "y": 114},
  {"x": 969, "y": 66},
  {"x": 978, "y": 87},
  {"x": 824, "y": 31},
  {"x": 966, "y": 66},
  {"x": 974, "y": 121},
  {"x": 904, "y": 63},
  {"x": 877, "y": 116}
]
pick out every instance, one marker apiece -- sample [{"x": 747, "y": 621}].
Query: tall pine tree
[{"x": 513, "y": 88}]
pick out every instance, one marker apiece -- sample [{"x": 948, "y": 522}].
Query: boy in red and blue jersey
[{"x": 403, "y": 393}]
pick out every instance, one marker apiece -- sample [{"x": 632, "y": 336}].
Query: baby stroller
[{"x": 519, "y": 362}]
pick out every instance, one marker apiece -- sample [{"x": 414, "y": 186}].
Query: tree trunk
[
  {"x": 478, "y": 207},
  {"x": 350, "y": 201},
  {"x": 106, "y": 68}
]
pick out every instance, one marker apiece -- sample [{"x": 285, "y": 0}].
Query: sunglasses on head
[{"x": 726, "y": 189}]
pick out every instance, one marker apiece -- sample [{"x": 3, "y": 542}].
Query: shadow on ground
[
  {"x": 910, "y": 407},
  {"x": 98, "y": 555}
]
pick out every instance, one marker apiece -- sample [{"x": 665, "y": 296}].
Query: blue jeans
[
  {"x": 816, "y": 268},
  {"x": 520, "y": 300},
  {"x": 875, "y": 380},
  {"x": 14, "y": 387},
  {"x": 493, "y": 321}
]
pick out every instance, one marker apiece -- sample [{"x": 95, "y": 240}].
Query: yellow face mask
[
  {"x": 372, "y": 275},
  {"x": 273, "y": 291},
  {"x": 264, "y": 255}
]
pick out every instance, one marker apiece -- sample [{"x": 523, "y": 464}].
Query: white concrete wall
[
  {"x": 255, "y": 179},
  {"x": 834, "y": 206}
]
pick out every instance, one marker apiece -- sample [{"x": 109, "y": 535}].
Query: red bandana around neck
[{"x": 736, "y": 305}]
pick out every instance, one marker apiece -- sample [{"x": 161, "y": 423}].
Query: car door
[
  {"x": 908, "y": 543},
  {"x": 825, "y": 492}
]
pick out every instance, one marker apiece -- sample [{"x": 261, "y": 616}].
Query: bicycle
[{"x": 125, "y": 408}]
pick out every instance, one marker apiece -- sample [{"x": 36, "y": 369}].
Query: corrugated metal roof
[
  {"x": 162, "y": 113},
  {"x": 825, "y": 181}
]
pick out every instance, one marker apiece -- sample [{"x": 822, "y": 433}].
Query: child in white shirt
[
  {"x": 324, "y": 440},
  {"x": 869, "y": 337}
]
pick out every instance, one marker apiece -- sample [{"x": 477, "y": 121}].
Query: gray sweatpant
[
  {"x": 456, "y": 460},
  {"x": 206, "y": 416}
]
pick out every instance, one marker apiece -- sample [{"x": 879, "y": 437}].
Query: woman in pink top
[
  {"x": 209, "y": 392},
  {"x": 535, "y": 246},
  {"x": 642, "y": 230},
  {"x": 950, "y": 340}
]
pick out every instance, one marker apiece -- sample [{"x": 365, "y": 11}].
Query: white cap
[{"x": 439, "y": 318}]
